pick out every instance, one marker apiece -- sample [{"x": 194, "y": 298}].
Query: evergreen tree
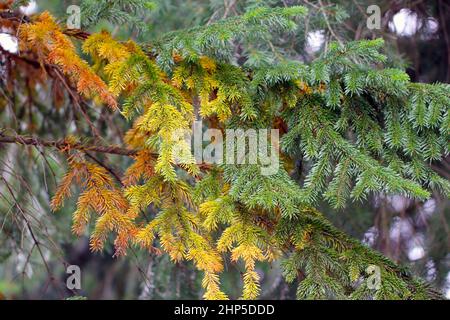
[{"x": 359, "y": 126}]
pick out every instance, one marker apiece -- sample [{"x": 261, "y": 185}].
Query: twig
[
  {"x": 30, "y": 229},
  {"x": 329, "y": 26},
  {"x": 65, "y": 145}
]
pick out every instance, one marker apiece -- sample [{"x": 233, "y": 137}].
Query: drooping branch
[{"x": 65, "y": 144}]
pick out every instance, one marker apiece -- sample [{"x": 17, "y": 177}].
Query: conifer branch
[{"x": 64, "y": 144}]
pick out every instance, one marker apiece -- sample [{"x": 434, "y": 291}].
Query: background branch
[{"x": 66, "y": 145}]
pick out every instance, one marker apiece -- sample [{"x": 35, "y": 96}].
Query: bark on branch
[{"x": 66, "y": 145}]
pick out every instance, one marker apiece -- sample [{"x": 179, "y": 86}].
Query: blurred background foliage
[{"x": 417, "y": 35}]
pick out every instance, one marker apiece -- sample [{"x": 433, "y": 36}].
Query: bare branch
[{"x": 67, "y": 145}]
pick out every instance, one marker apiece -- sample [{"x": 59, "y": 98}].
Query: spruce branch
[{"x": 66, "y": 144}]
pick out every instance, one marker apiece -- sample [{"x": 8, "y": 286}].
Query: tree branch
[
  {"x": 64, "y": 144},
  {"x": 67, "y": 145}
]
